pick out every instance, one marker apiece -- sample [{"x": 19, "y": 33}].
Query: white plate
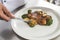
[{"x": 37, "y": 32}]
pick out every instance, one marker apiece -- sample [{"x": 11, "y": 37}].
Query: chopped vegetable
[
  {"x": 43, "y": 22},
  {"x": 24, "y": 16},
  {"x": 26, "y": 19},
  {"x": 32, "y": 23},
  {"x": 49, "y": 21},
  {"x": 29, "y": 11}
]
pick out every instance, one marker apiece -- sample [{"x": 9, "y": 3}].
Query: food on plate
[
  {"x": 32, "y": 23},
  {"x": 37, "y": 17},
  {"x": 24, "y": 16}
]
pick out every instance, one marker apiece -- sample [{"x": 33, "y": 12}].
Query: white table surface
[{"x": 6, "y": 32}]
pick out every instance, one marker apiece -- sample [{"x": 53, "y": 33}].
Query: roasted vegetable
[
  {"x": 24, "y": 16},
  {"x": 32, "y": 23},
  {"x": 29, "y": 11},
  {"x": 49, "y": 21},
  {"x": 26, "y": 19}
]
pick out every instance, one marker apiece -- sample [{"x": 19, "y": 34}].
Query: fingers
[
  {"x": 3, "y": 16},
  {"x": 7, "y": 12}
]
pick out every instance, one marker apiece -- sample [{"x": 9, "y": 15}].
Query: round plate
[{"x": 37, "y": 32}]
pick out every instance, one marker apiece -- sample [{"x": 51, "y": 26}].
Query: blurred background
[{"x": 56, "y": 2}]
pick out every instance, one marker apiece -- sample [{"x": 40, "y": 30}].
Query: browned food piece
[
  {"x": 44, "y": 14},
  {"x": 34, "y": 15},
  {"x": 29, "y": 15},
  {"x": 38, "y": 12},
  {"x": 43, "y": 21},
  {"x": 32, "y": 23},
  {"x": 38, "y": 19},
  {"x": 47, "y": 17}
]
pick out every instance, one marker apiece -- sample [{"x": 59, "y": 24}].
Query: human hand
[{"x": 4, "y": 13}]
